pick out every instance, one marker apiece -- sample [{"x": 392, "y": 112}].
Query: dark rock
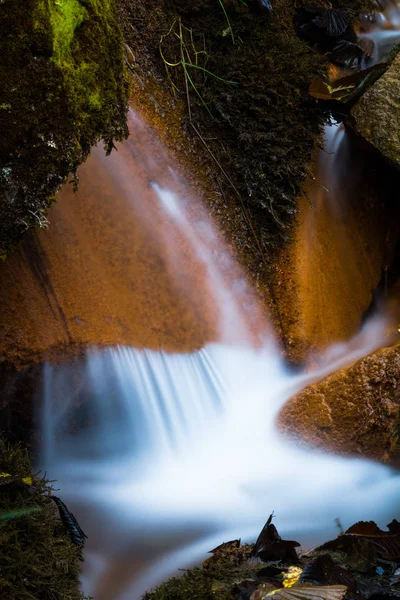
[{"x": 377, "y": 114}]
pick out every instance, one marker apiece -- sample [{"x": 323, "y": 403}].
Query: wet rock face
[
  {"x": 345, "y": 253},
  {"x": 353, "y": 411},
  {"x": 377, "y": 114}
]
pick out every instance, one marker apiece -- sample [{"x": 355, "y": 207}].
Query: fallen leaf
[
  {"x": 324, "y": 570},
  {"x": 394, "y": 526},
  {"x": 347, "y": 89},
  {"x": 245, "y": 589},
  {"x": 226, "y": 547},
  {"x": 270, "y": 546},
  {"x": 291, "y": 576},
  {"x": 333, "y": 22},
  {"x": 264, "y": 590},
  {"x": 311, "y": 592},
  {"x": 387, "y": 543}
]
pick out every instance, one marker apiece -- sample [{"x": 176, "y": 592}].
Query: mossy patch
[
  {"x": 261, "y": 130},
  {"x": 213, "y": 580},
  {"x": 65, "y": 16},
  {"x": 37, "y": 559},
  {"x": 63, "y": 88}
]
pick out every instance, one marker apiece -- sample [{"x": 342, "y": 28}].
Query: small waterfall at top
[
  {"x": 165, "y": 455},
  {"x": 383, "y": 29}
]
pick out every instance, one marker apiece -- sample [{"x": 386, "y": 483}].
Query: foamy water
[
  {"x": 166, "y": 455},
  {"x": 188, "y": 442}
]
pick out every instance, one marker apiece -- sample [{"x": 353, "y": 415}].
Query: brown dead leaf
[{"x": 311, "y": 592}]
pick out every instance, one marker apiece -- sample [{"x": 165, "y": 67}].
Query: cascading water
[
  {"x": 383, "y": 29},
  {"x": 164, "y": 455},
  {"x": 157, "y": 452}
]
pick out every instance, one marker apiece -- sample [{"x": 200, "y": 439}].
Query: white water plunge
[
  {"x": 181, "y": 446},
  {"x": 164, "y": 456}
]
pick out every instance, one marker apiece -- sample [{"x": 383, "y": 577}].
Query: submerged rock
[
  {"x": 376, "y": 117},
  {"x": 353, "y": 411}
]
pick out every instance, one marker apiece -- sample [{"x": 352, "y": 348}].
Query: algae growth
[{"x": 63, "y": 89}]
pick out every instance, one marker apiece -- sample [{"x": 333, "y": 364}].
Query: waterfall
[
  {"x": 181, "y": 447},
  {"x": 383, "y": 31},
  {"x": 164, "y": 455}
]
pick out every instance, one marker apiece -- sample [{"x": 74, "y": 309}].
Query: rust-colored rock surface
[
  {"x": 353, "y": 411},
  {"x": 113, "y": 266},
  {"x": 344, "y": 238}
]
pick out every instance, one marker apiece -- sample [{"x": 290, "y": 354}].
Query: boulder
[
  {"x": 353, "y": 411},
  {"x": 376, "y": 117}
]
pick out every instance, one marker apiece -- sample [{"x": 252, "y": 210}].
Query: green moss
[
  {"x": 37, "y": 559},
  {"x": 64, "y": 16},
  {"x": 95, "y": 102},
  {"x": 213, "y": 580},
  {"x": 63, "y": 83},
  {"x": 193, "y": 584}
]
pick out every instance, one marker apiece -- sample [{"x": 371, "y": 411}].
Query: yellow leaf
[{"x": 291, "y": 576}]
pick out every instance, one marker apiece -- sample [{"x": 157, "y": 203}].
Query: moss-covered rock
[
  {"x": 214, "y": 579},
  {"x": 252, "y": 106},
  {"x": 62, "y": 89},
  {"x": 38, "y": 561},
  {"x": 353, "y": 411},
  {"x": 377, "y": 114}
]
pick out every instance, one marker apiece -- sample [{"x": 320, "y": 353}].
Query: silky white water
[
  {"x": 163, "y": 456},
  {"x": 187, "y": 442}
]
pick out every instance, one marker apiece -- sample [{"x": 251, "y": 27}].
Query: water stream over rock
[{"x": 164, "y": 455}]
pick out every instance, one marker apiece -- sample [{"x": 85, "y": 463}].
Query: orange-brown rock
[
  {"x": 343, "y": 240},
  {"x": 114, "y": 267},
  {"x": 101, "y": 273},
  {"x": 353, "y": 411}
]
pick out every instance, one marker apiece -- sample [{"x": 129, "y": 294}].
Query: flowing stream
[{"x": 162, "y": 456}]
